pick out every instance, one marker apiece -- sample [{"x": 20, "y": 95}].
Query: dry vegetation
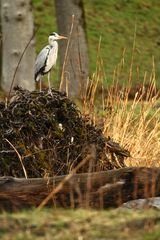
[
  {"x": 135, "y": 124},
  {"x": 130, "y": 115},
  {"x": 44, "y": 134}
]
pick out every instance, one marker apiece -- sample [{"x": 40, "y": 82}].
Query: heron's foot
[
  {"x": 40, "y": 90},
  {"x": 50, "y": 91}
]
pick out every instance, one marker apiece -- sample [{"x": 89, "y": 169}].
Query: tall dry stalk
[
  {"x": 65, "y": 57},
  {"x": 135, "y": 123}
]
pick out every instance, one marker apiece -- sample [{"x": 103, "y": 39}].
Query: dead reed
[{"x": 129, "y": 113}]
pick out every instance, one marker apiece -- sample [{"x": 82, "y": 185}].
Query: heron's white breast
[{"x": 52, "y": 57}]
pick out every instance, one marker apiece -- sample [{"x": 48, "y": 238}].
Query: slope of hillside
[{"x": 115, "y": 21}]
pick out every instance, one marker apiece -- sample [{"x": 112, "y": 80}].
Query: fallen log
[{"x": 96, "y": 190}]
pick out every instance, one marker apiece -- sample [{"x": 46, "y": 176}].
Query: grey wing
[{"x": 41, "y": 61}]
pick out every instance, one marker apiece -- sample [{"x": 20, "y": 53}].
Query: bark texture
[
  {"x": 76, "y": 70},
  {"x": 17, "y": 30},
  {"x": 0, "y": 46},
  {"x": 97, "y": 190}
]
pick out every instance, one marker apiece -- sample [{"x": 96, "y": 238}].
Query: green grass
[
  {"x": 115, "y": 22},
  {"x": 45, "y": 21},
  {"x": 80, "y": 224}
]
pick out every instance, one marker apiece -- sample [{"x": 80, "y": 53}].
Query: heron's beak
[{"x": 61, "y": 37}]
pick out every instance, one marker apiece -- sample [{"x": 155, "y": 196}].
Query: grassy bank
[
  {"x": 80, "y": 224},
  {"x": 115, "y": 22}
]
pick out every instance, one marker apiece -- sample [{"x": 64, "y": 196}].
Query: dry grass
[
  {"x": 134, "y": 123},
  {"x": 136, "y": 126}
]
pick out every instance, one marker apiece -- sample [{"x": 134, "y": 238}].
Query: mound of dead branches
[{"x": 44, "y": 134}]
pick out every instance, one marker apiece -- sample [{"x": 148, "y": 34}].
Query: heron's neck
[{"x": 53, "y": 44}]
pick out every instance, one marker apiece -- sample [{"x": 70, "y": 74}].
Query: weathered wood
[{"x": 97, "y": 190}]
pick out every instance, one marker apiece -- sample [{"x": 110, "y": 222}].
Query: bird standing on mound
[{"x": 46, "y": 59}]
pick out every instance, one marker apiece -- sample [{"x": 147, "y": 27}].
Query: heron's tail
[{"x": 37, "y": 77}]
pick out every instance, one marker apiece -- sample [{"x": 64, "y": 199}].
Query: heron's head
[{"x": 55, "y": 37}]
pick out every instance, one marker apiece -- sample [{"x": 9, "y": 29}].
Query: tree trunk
[
  {"x": 0, "y": 46},
  {"x": 17, "y": 30},
  {"x": 96, "y": 190},
  {"x": 76, "y": 68}
]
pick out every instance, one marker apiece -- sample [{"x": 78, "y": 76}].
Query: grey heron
[{"x": 46, "y": 59}]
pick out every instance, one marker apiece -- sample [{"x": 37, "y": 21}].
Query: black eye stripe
[{"x": 53, "y": 34}]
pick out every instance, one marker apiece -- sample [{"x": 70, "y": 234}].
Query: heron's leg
[
  {"x": 49, "y": 83},
  {"x": 40, "y": 84}
]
